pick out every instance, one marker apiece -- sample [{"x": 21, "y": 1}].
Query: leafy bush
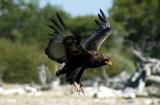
[{"x": 19, "y": 63}]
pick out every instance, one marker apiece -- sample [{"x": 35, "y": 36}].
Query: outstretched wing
[
  {"x": 60, "y": 40},
  {"x": 95, "y": 41}
]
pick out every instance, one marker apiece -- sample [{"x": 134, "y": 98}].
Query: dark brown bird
[{"x": 65, "y": 47}]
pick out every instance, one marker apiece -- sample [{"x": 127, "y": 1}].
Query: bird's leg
[
  {"x": 82, "y": 88},
  {"x": 79, "y": 87}
]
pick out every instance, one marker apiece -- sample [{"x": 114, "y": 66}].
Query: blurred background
[{"x": 134, "y": 44}]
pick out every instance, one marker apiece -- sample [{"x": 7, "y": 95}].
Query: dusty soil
[
  {"x": 72, "y": 100},
  {"x": 62, "y": 96}
]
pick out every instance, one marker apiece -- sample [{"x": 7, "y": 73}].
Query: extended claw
[
  {"x": 82, "y": 88},
  {"x": 79, "y": 88}
]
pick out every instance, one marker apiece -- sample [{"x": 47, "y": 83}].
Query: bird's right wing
[
  {"x": 95, "y": 41},
  {"x": 56, "y": 49},
  {"x": 63, "y": 44}
]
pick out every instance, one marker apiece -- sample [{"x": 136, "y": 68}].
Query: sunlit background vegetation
[{"x": 24, "y": 36}]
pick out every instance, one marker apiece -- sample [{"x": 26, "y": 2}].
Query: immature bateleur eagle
[{"x": 65, "y": 47}]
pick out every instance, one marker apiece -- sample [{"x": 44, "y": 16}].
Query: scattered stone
[
  {"x": 30, "y": 89},
  {"x": 17, "y": 91},
  {"x": 129, "y": 93}
]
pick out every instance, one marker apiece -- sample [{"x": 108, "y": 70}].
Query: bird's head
[
  {"x": 107, "y": 60},
  {"x": 100, "y": 59}
]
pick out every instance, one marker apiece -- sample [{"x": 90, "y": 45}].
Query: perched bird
[{"x": 65, "y": 47}]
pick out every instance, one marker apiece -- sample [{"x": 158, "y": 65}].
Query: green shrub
[{"x": 19, "y": 63}]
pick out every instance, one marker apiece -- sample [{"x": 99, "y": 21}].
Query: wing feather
[
  {"x": 56, "y": 24},
  {"x": 62, "y": 42},
  {"x": 95, "y": 41},
  {"x": 56, "y": 49},
  {"x": 61, "y": 21}
]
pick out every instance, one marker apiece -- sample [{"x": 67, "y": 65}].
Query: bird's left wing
[
  {"x": 95, "y": 41},
  {"x": 56, "y": 49}
]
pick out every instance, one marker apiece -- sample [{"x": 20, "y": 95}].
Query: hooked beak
[{"x": 109, "y": 62}]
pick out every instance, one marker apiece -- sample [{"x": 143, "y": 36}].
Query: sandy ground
[
  {"x": 62, "y": 96},
  {"x": 70, "y": 100}
]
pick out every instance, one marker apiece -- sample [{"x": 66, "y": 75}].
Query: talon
[
  {"x": 79, "y": 88},
  {"x": 82, "y": 88}
]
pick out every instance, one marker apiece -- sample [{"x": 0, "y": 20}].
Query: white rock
[
  {"x": 105, "y": 92},
  {"x": 90, "y": 91},
  {"x": 55, "y": 83},
  {"x": 14, "y": 91},
  {"x": 148, "y": 101},
  {"x": 129, "y": 93},
  {"x": 30, "y": 89},
  {"x": 1, "y": 90}
]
